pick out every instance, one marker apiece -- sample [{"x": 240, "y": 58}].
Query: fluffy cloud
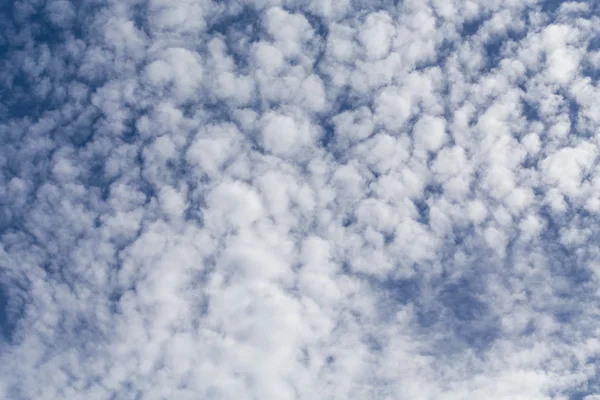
[{"x": 299, "y": 200}]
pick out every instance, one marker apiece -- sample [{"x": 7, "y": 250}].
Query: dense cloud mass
[{"x": 299, "y": 199}]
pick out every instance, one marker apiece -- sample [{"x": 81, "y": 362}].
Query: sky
[{"x": 299, "y": 199}]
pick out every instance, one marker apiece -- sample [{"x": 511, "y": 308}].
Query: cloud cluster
[{"x": 282, "y": 199}]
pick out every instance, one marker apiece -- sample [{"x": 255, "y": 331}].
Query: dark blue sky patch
[
  {"x": 530, "y": 162},
  {"x": 32, "y": 39},
  {"x": 83, "y": 332},
  {"x": 462, "y": 305},
  {"x": 478, "y": 335},
  {"x": 217, "y": 111},
  {"x": 346, "y": 267},
  {"x": 428, "y": 317},
  {"x": 433, "y": 190},
  {"x": 493, "y": 51},
  {"x": 566, "y": 315},
  {"x": 130, "y": 134},
  {"x": 443, "y": 51},
  {"x": 345, "y": 100},
  {"x": 18, "y": 97},
  {"x": 529, "y": 111},
  {"x": 195, "y": 204},
  {"x": 551, "y": 6},
  {"x": 462, "y": 299},
  {"x": 36, "y": 20},
  {"x": 590, "y": 70},
  {"x": 362, "y": 7},
  {"x": 388, "y": 238},
  {"x": 6, "y": 323},
  {"x": 580, "y": 394},
  {"x": 461, "y": 239},
  {"x": 592, "y": 385},
  {"x": 238, "y": 20},
  {"x": 401, "y": 291},
  {"x": 319, "y": 43},
  {"x": 318, "y": 24},
  {"x": 594, "y": 44},
  {"x": 498, "y": 46},
  {"x": 11, "y": 218},
  {"x": 8, "y": 30},
  {"x": 573, "y": 109},
  {"x": 77, "y": 132},
  {"x": 348, "y": 220},
  {"x": 562, "y": 260},
  {"x": 114, "y": 298},
  {"x": 327, "y": 140},
  {"x": 12, "y": 308},
  {"x": 553, "y": 222},
  {"x": 240, "y": 27},
  {"x": 455, "y": 335},
  {"x": 139, "y": 16},
  {"x": 456, "y": 311},
  {"x": 470, "y": 27},
  {"x": 587, "y": 388},
  {"x": 459, "y": 236},
  {"x": 423, "y": 210}
]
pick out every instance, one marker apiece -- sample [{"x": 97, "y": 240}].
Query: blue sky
[{"x": 275, "y": 199}]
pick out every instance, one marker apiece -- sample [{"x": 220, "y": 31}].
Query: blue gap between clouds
[
  {"x": 564, "y": 262},
  {"x": 529, "y": 111},
  {"x": 493, "y": 48},
  {"x": 6, "y": 323},
  {"x": 588, "y": 388},
  {"x": 346, "y": 100},
  {"x": 566, "y": 265},
  {"x": 551, "y": 6},
  {"x": 456, "y": 309},
  {"x": 422, "y": 204},
  {"x": 469, "y": 28},
  {"x": 12, "y": 307},
  {"x": 587, "y": 68},
  {"x": 400, "y": 291},
  {"x": 239, "y": 28},
  {"x": 18, "y": 101}
]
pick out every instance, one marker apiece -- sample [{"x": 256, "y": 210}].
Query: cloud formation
[{"x": 277, "y": 199}]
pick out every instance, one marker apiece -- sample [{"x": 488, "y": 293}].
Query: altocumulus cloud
[{"x": 296, "y": 199}]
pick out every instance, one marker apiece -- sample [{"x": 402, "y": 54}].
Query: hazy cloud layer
[{"x": 299, "y": 200}]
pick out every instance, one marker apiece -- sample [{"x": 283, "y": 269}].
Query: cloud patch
[{"x": 298, "y": 200}]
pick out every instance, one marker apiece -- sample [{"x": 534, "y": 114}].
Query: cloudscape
[{"x": 299, "y": 200}]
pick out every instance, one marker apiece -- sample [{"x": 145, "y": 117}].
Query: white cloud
[
  {"x": 178, "y": 67},
  {"x": 298, "y": 200},
  {"x": 376, "y": 35},
  {"x": 429, "y": 133},
  {"x": 566, "y": 167},
  {"x": 393, "y": 108},
  {"x": 233, "y": 204}
]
